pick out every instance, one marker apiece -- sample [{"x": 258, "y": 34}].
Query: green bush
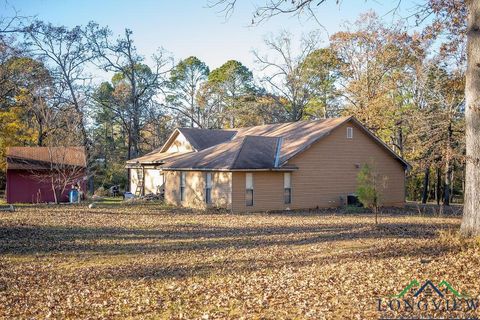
[{"x": 369, "y": 189}]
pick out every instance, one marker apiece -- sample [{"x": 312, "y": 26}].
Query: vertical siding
[
  {"x": 195, "y": 189},
  {"x": 327, "y": 170},
  {"x": 24, "y": 186}
]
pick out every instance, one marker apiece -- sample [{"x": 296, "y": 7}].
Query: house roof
[
  {"x": 38, "y": 157},
  {"x": 252, "y": 152},
  {"x": 154, "y": 157},
  {"x": 200, "y": 139},
  {"x": 267, "y": 147}
]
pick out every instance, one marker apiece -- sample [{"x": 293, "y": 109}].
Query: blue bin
[{"x": 73, "y": 195}]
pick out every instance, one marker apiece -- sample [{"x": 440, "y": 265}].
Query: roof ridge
[
  {"x": 277, "y": 151},
  {"x": 238, "y": 152}
]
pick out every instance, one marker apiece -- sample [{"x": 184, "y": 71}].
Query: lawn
[{"x": 151, "y": 262}]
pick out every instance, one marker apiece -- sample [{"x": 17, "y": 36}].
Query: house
[
  {"x": 299, "y": 165},
  {"x": 33, "y": 173}
]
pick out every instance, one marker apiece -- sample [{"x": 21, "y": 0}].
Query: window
[
  {"x": 249, "y": 189},
  {"x": 208, "y": 187},
  {"x": 287, "y": 187},
  {"x": 182, "y": 186},
  {"x": 349, "y": 133}
]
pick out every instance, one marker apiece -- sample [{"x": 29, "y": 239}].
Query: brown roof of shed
[{"x": 37, "y": 157}]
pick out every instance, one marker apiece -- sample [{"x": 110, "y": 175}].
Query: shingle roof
[
  {"x": 202, "y": 139},
  {"x": 260, "y": 147},
  {"x": 154, "y": 157},
  {"x": 37, "y": 157},
  {"x": 296, "y": 135},
  {"x": 247, "y": 152}
]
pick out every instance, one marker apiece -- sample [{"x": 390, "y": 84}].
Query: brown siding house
[{"x": 300, "y": 165}]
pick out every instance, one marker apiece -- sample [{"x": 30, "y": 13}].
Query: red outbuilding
[{"x": 44, "y": 174}]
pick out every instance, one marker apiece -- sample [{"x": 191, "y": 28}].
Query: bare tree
[
  {"x": 120, "y": 56},
  {"x": 286, "y": 73},
  {"x": 67, "y": 52}
]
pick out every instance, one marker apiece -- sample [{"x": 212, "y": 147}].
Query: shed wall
[{"x": 24, "y": 186}]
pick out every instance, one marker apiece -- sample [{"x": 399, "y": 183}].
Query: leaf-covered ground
[{"x": 148, "y": 262}]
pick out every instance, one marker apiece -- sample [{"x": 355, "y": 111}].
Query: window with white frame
[
  {"x": 249, "y": 189},
  {"x": 208, "y": 187},
  {"x": 182, "y": 186},
  {"x": 287, "y": 187},
  {"x": 349, "y": 133}
]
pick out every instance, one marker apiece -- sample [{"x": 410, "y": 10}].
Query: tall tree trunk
[
  {"x": 471, "y": 214},
  {"x": 447, "y": 185},
  {"x": 426, "y": 182},
  {"x": 399, "y": 137},
  {"x": 452, "y": 183},
  {"x": 448, "y": 168},
  {"x": 438, "y": 189}
]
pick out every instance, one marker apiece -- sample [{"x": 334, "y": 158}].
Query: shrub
[{"x": 370, "y": 187}]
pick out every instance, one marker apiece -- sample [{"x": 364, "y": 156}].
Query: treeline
[{"x": 407, "y": 87}]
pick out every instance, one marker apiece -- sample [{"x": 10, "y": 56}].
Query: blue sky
[{"x": 189, "y": 27}]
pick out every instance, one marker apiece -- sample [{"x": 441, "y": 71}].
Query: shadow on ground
[{"x": 190, "y": 237}]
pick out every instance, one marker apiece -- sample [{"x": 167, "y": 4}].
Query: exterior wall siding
[
  {"x": 267, "y": 192},
  {"x": 195, "y": 189},
  {"x": 133, "y": 179},
  {"x": 180, "y": 144},
  {"x": 153, "y": 180},
  {"x": 328, "y": 170},
  {"x": 327, "y": 173}
]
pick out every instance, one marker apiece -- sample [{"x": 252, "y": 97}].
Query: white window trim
[
  {"x": 349, "y": 132},
  {"x": 208, "y": 186},
  {"x": 183, "y": 182},
  {"x": 289, "y": 186},
  {"x": 247, "y": 188}
]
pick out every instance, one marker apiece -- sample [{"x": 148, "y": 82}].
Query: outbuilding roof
[{"x": 30, "y": 158}]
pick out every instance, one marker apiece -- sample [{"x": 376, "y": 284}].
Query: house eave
[{"x": 289, "y": 169}]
